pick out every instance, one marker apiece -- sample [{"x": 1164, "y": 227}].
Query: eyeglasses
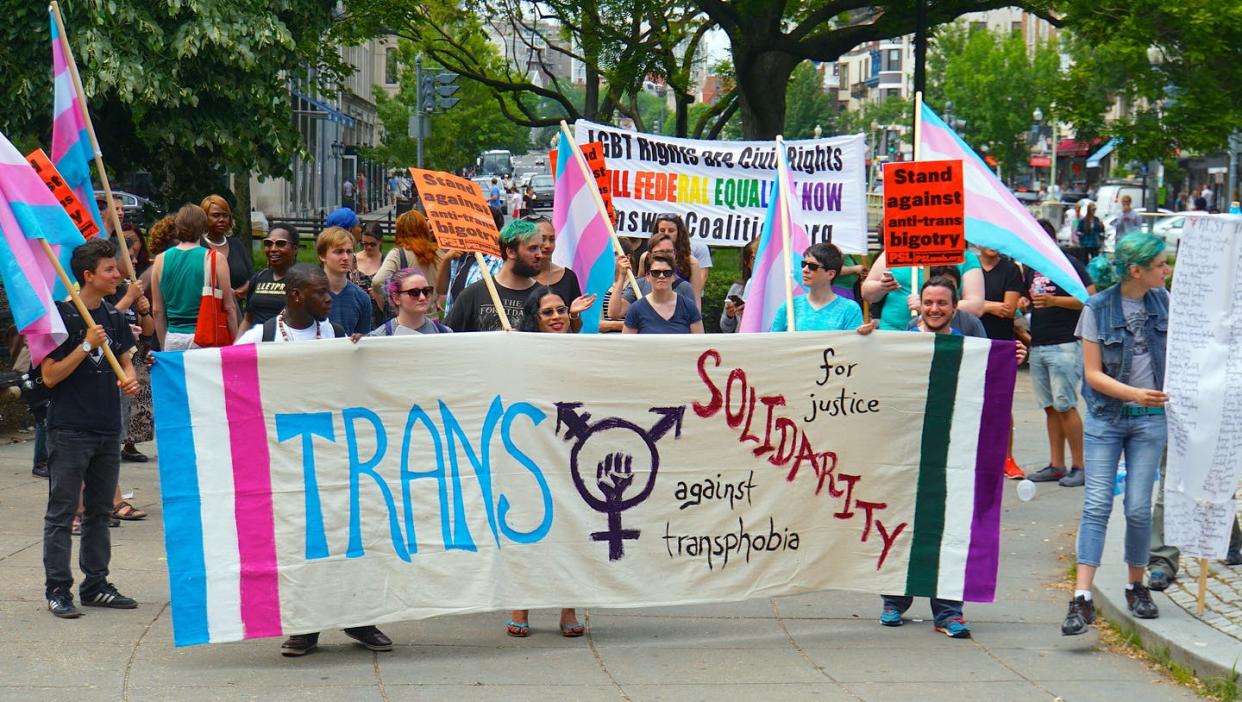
[
  {"x": 811, "y": 266},
  {"x": 416, "y": 293},
  {"x": 661, "y": 272},
  {"x": 130, "y": 241},
  {"x": 275, "y": 243},
  {"x": 370, "y": 244},
  {"x": 553, "y": 311}
]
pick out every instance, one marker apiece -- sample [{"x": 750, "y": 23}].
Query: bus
[{"x": 497, "y": 162}]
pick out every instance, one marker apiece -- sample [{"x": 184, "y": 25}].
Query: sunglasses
[
  {"x": 811, "y": 266},
  {"x": 275, "y": 243},
  {"x": 130, "y": 241},
  {"x": 553, "y": 311},
  {"x": 661, "y": 272},
  {"x": 416, "y": 293}
]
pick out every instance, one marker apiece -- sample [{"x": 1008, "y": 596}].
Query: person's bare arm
[
  {"x": 697, "y": 327},
  {"x": 875, "y": 286},
  {"x": 972, "y": 292},
  {"x": 1102, "y": 382},
  {"x": 157, "y": 301},
  {"x": 55, "y": 371},
  {"x": 230, "y": 302}
]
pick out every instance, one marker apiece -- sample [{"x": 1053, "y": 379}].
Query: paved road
[{"x": 824, "y": 645}]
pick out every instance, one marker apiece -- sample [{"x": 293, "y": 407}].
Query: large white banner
[
  {"x": 722, "y": 188},
  {"x": 324, "y": 484},
  {"x": 1203, "y": 379}
]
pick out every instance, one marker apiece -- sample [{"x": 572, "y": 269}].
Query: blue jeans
[
  {"x": 942, "y": 610},
  {"x": 1142, "y": 439}
]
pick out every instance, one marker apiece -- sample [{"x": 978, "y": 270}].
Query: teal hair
[
  {"x": 518, "y": 230},
  {"x": 1138, "y": 249},
  {"x": 1102, "y": 272}
]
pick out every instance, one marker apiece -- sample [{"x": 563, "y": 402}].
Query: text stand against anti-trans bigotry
[
  {"x": 90, "y": 129},
  {"x": 599, "y": 202}
]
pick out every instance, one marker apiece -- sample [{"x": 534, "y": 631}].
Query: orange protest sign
[
  {"x": 39, "y": 161},
  {"x": 924, "y": 214},
  {"x": 594, "y": 153},
  {"x": 457, "y": 212}
]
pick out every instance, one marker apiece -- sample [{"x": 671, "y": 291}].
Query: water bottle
[
  {"x": 1119, "y": 486},
  {"x": 1234, "y": 208}
]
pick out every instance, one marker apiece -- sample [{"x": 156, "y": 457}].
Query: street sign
[{"x": 418, "y": 128}]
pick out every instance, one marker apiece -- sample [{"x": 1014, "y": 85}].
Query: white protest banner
[
  {"x": 729, "y": 467},
  {"x": 1203, "y": 378},
  {"x": 722, "y": 188}
]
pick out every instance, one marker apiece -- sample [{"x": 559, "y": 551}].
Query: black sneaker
[
  {"x": 106, "y": 596},
  {"x": 1159, "y": 580},
  {"x": 134, "y": 456},
  {"x": 60, "y": 603},
  {"x": 1081, "y": 614},
  {"x": 371, "y": 637},
  {"x": 1138, "y": 599},
  {"x": 40, "y": 471},
  {"x": 299, "y": 645},
  {"x": 1047, "y": 474},
  {"x": 1075, "y": 478}
]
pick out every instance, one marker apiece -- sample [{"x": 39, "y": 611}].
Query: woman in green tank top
[{"x": 177, "y": 283}]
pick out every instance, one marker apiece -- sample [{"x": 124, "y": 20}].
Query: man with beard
[{"x": 521, "y": 247}]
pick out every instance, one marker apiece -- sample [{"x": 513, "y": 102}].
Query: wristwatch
[{"x": 87, "y": 348}]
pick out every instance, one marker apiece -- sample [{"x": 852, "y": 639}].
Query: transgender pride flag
[
  {"x": 767, "y": 283},
  {"x": 583, "y": 239},
  {"x": 994, "y": 217},
  {"x": 71, "y": 140},
  {"x": 29, "y": 213}
]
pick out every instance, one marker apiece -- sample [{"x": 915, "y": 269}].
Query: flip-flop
[
  {"x": 128, "y": 512},
  {"x": 517, "y": 631},
  {"x": 571, "y": 631}
]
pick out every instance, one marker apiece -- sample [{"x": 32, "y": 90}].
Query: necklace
[
  {"x": 223, "y": 241},
  {"x": 284, "y": 333}
]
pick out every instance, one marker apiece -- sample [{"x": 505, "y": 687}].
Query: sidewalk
[{"x": 825, "y": 645}]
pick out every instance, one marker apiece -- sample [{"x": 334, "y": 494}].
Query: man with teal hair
[{"x": 521, "y": 248}]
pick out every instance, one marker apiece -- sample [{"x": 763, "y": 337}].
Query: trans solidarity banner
[
  {"x": 321, "y": 485},
  {"x": 722, "y": 188}
]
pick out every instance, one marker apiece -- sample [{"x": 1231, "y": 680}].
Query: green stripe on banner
[{"x": 923, "y": 571}]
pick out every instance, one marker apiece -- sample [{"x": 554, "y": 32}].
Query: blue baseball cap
[{"x": 342, "y": 217}]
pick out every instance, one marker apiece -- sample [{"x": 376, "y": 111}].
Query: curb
[{"x": 1198, "y": 646}]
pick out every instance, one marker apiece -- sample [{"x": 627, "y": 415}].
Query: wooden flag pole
[
  {"x": 86, "y": 314},
  {"x": 491, "y": 290},
  {"x": 1201, "y": 600},
  {"x": 599, "y": 202},
  {"x": 918, "y": 152},
  {"x": 90, "y": 130},
  {"x": 781, "y": 184}
]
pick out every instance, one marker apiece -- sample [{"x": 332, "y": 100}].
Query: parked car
[
  {"x": 136, "y": 206},
  {"x": 545, "y": 190},
  {"x": 1108, "y": 197}
]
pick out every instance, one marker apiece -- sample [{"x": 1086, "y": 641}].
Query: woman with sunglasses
[
  {"x": 266, "y": 297},
  {"x": 693, "y": 258},
  {"x": 662, "y": 311},
  {"x": 821, "y": 308},
  {"x": 547, "y": 312},
  {"x": 414, "y": 298}
]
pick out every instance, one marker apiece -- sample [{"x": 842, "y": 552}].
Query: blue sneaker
[
  {"x": 890, "y": 616},
  {"x": 954, "y": 629}
]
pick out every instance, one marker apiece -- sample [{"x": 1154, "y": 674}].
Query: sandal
[
  {"x": 128, "y": 512},
  {"x": 518, "y": 631},
  {"x": 571, "y": 631},
  {"x": 76, "y": 529}
]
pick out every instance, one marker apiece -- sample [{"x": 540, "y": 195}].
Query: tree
[
  {"x": 458, "y": 135},
  {"x": 994, "y": 84},
  {"x": 1175, "y": 67},
  {"x": 188, "y": 91},
  {"x": 769, "y": 38},
  {"x": 809, "y": 104}
]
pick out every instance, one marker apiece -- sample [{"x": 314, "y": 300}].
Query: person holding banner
[
  {"x": 521, "y": 247},
  {"x": 414, "y": 299},
  {"x": 662, "y": 311},
  {"x": 622, "y": 294},
  {"x": 561, "y": 279},
  {"x": 892, "y": 285},
  {"x": 1123, "y": 330},
  {"x": 85, "y": 433},
  {"x": 821, "y": 308},
  {"x": 177, "y": 280}
]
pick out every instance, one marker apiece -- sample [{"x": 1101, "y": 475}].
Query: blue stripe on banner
[
  {"x": 183, "y": 520},
  {"x": 990, "y": 236}
]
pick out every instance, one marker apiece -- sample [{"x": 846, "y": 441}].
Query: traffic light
[
  {"x": 890, "y": 138},
  {"x": 436, "y": 90}
]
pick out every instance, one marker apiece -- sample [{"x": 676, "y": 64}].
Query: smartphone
[{"x": 735, "y": 300}]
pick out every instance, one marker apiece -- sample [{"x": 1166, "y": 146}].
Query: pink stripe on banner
[
  {"x": 983, "y": 559},
  {"x": 252, "y": 487}
]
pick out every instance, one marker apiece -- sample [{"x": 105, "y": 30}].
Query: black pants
[{"x": 86, "y": 462}]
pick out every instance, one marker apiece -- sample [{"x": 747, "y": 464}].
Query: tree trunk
[
  {"x": 682, "y": 106},
  {"x": 590, "y": 107},
  {"x": 761, "y": 82}
]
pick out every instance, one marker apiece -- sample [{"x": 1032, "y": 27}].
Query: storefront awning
[
  {"x": 1094, "y": 160},
  {"x": 326, "y": 112},
  {"x": 1073, "y": 148}
]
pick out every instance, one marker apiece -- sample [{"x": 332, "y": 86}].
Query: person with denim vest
[{"x": 1123, "y": 330}]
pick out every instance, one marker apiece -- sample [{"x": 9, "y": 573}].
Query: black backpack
[{"x": 269, "y": 330}]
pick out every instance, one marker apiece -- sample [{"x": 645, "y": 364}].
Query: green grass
[{"x": 1221, "y": 688}]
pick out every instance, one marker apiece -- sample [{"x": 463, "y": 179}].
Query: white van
[{"x": 1108, "y": 198}]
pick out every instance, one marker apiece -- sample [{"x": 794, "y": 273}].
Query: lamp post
[{"x": 818, "y": 131}]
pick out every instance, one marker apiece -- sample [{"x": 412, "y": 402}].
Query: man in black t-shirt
[
  {"x": 84, "y": 434},
  {"x": 1002, "y": 286},
  {"x": 521, "y": 247},
  {"x": 1056, "y": 370}
]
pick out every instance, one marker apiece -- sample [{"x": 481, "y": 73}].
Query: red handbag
[{"x": 212, "y": 328}]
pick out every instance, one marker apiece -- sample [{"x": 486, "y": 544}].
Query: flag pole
[
  {"x": 491, "y": 290},
  {"x": 599, "y": 202},
  {"x": 918, "y": 136},
  {"x": 86, "y": 314},
  {"x": 782, "y": 185},
  {"x": 90, "y": 130}
]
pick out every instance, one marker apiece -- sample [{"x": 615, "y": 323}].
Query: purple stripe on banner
[
  {"x": 252, "y": 487},
  {"x": 983, "y": 559}
]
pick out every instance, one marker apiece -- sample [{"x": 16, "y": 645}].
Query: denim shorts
[{"x": 1056, "y": 372}]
